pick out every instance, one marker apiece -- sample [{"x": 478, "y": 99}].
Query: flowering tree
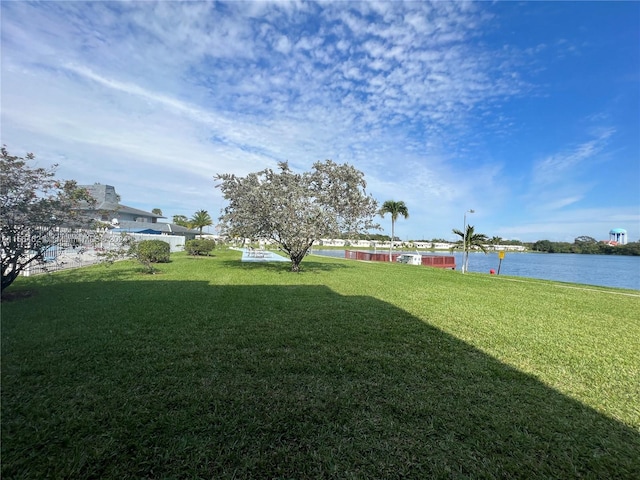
[
  {"x": 295, "y": 209},
  {"x": 32, "y": 207}
]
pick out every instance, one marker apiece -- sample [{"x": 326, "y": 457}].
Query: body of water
[{"x": 603, "y": 270}]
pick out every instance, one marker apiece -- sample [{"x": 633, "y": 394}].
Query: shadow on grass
[
  {"x": 307, "y": 266},
  {"x": 187, "y": 380}
]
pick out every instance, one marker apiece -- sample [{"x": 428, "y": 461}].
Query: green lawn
[{"x": 218, "y": 369}]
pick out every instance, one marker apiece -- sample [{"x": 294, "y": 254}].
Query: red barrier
[
  {"x": 439, "y": 261},
  {"x": 436, "y": 261}
]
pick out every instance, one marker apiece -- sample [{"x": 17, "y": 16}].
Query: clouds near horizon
[{"x": 441, "y": 104}]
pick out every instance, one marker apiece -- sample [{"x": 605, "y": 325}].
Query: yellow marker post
[{"x": 501, "y": 257}]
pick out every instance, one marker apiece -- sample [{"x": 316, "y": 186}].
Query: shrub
[
  {"x": 152, "y": 251},
  {"x": 199, "y": 246}
]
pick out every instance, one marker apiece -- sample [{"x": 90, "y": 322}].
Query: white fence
[
  {"x": 176, "y": 242},
  {"x": 79, "y": 248}
]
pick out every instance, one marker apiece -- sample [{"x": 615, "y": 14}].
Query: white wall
[{"x": 176, "y": 242}]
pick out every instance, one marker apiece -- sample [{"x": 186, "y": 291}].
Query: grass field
[{"x": 218, "y": 369}]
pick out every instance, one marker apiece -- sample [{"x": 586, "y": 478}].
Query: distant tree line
[
  {"x": 587, "y": 245},
  {"x": 583, "y": 244},
  {"x": 378, "y": 237}
]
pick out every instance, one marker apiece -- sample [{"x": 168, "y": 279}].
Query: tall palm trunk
[
  {"x": 393, "y": 229},
  {"x": 466, "y": 256},
  {"x": 395, "y": 209}
]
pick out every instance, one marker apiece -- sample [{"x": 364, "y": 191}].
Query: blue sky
[{"x": 528, "y": 113}]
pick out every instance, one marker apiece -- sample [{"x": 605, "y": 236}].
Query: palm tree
[
  {"x": 200, "y": 220},
  {"x": 495, "y": 241},
  {"x": 395, "y": 209},
  {"x": 469, "y": 240},
  {"x": 181, "y": 220}
]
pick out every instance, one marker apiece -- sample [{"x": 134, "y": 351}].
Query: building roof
[
  {"x": 134, "y": 211},
  {"x": 107, "y": 199},
  {"x": 151, "y": 231},
  {"x": 105, "y": 196}
]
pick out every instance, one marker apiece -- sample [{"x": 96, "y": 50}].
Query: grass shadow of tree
[
  {"x": 185, "y": 379},
  {"x": 307, "y": 266}
]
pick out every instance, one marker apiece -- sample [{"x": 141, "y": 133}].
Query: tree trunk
[
  {"x": 466, "y": 255},
  {"x": 393, "y": 234},
  {"x": 296, "y": 260},
  {"x": 9, "y": 278},
  {"x": 297, "y": 257}
]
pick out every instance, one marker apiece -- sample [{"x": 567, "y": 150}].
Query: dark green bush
[
  {"x": 199, "y": 246},
  {"x": 153, "y": 251}
]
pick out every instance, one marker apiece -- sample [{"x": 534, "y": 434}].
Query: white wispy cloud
[
  {"x": 181, "y": 91},
  {"x": 556, "y": 167}
]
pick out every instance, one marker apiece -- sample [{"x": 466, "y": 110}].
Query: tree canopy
[
  {"x": 200, "y": 220},
  {"x": 495, "y": 240},
  {"x": 33, "y": 205},
  {"x": 586, "y": 245},
  {"x": 295, "y": 209},
  {"x": 181, "y": 220},
  {"x": 470, "y": 240}
]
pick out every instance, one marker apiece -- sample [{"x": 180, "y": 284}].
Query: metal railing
[{"x": 74, "y": 248}]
